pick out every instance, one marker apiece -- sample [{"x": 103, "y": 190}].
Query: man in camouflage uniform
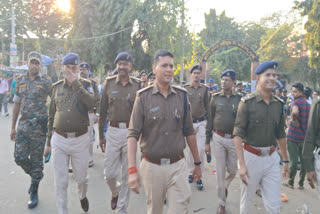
[{"x": 31, "y": 97}]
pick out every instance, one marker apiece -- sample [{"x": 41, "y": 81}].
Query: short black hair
[
  {"x": 307, "y": 92},
  {"x": 298, "y": 86},
  {"x": 279, "y": 89},
  {"x": 161, "y": 53},
  {"x": 285, "y": 91},
  {"x": 196, "y": 67}
]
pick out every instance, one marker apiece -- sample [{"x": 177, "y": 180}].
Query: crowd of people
[{"x": 175, "y": 126}]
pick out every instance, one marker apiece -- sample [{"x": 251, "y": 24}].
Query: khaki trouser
[
  {"x": 115, "y": 164},
  {"x": 200, "y": 130},
  {"x": 64, "y": 149},
  {"x": 226, "y": 160},
  {"x": 264, "y": 173},
  {"x": 317, "y": 168},
  {"x": 90, "y": 130},
  {"x": 159, "y": 180}
]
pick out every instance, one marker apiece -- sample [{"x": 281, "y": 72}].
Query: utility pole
[
  {"x": 182, "y": 39},
  {"x": 2, "y": 45},
  {"x": 13, "y": 39},
  {"x": 13, "y": 47}
]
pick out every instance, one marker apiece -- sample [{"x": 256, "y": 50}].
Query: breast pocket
[
  {"x": 219, "y": 108},
  {"x": 155, "y": 120}
]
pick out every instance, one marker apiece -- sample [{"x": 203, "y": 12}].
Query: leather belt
[
  {"x": 259, "y": 152},
  {"x": 199, "y": 119},
  {"x": 120, "y": 125},
  {"x": 229, "y": 136},
  {"x": 70, "y": 134},
  {"x": 91, "y": 111},
  {"x": 163, "y": 161}
]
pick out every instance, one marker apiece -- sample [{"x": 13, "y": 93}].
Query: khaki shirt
[
  {"x": 69, "y": 106},
  {"x": 199, "y": 100},
  {"x": 117, "y": 101},
  {"x": 258, "y": 123},
  {"x": 222, "y": 113},
  {"x": 160, "y": 121},
  {"x": 312, "y": 139}
]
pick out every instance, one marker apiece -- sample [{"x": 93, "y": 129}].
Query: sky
[{"x": 240, "y": 10}]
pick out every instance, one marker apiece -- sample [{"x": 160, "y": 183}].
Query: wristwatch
[{"x": 197, "y": 163}]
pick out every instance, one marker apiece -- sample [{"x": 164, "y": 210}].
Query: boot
[{"x": 33, "y": 191}]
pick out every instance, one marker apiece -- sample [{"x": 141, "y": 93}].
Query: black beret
[
  {"x": 195, "y": 67},
  {"x": 70, "y": 59},
  {"x": 266, "y": 65},
  {"x": 84, "y": 65},
  {"x": 123, "y": 56},
  {"x": 151, "y": 74},
  {"x": 229, "y": 73}
]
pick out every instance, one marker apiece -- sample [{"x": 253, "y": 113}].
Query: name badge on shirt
[
  {"x": 220, "y": 104},
  {"x": 155, "y": 109},
  {"x": 115, "y": 92}
]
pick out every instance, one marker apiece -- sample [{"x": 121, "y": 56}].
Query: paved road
[{"x": 14, "y": 184}]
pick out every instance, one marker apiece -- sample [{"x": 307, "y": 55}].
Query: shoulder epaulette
[
  {"x": 145, "y": 89},
  {"x": 135, "y": 79},
  {"x": 248, "y": 97},
  {"x": 179, "y": 88},
  {"x": 112, "y": 77},
  {"x": 85, "y": 80},
  {"x": 204, "y": 85},
  {"x": 216, "y": 94},
  {"x": 278, "y": 98},
  {"x": 188, "y": 84},
  {"x": 57, "y": 83}
]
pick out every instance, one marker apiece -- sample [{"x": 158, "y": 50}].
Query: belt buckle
[
  {"x": 164, "y": 161},
  {"x": 122, "y": 125},
  {"x": 264, "y": 152},
  {"x": 227, "y": 136},
  {"x": 71, "y": 135}
]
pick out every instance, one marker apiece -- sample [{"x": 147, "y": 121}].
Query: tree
[{"x": 311, "y": 8}]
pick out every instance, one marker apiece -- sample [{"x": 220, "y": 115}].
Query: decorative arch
[{"x": 253, "y": 56}]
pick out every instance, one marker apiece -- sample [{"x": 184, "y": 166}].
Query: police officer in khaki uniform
[
  {"x": 222, "y": 114},
  {"x": 199, "y": 100},
  {"x": 311, "y": 150},
  {"x": 260, "y": 125},
  {"x": 144, "y": 79},
  {"x": 94, "y": 113},
  {"x": 162, "y": 117},
  {"x": 117, "y": 100},
  {"x": 68, "y": 131}
]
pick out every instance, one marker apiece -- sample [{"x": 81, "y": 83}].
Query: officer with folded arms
[{"x": 258, "y": 128}]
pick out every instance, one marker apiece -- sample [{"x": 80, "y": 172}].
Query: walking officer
[
  {"x": 311, "y": 150},
  {"x": 93, "y": 113},
  {"x": 222, "y": 115},
  {"x": 30, "y": 99},
  {"x": 199, "y": 100},
  {"x": 117, "y": 100},
  {"x": 162, "y": 116},
  {"x": 68, "y": 134},
  {"x": 259, "y": 126}
]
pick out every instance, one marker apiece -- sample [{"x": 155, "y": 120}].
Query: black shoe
[
  {"x": 33, "y": 191},
  {"x": 190, "y": 179},
  {"x": 199, "y": 185},
  {"x": 84, "y": 204}
]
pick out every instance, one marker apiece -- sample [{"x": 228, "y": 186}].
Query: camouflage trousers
[{"x": 28, "y": 152}]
